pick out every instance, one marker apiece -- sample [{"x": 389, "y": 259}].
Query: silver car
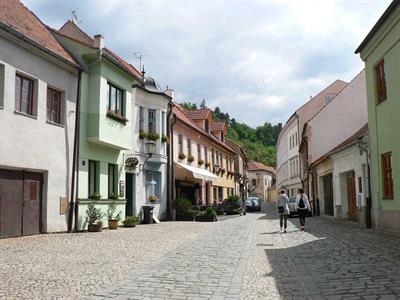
[{"x": 292, "y": 206}]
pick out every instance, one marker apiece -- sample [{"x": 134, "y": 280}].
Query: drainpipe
[
  {"x": 73, "y": 207},
  {"x": 170, "y": 159}
]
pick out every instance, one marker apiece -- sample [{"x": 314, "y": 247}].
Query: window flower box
[
  {"x": 152, "y": 136},
  {"x": 165, "y": 139},
  {"x": 182, "y": 156},
  {"x": 116, "y": 117},
  {"x": 190, "y": 158},
  {"x": 200, "y": 162}
]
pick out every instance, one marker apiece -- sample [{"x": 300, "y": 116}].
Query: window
[
  {"x": 207, "y": 125},
  {"x": 206, "y": 154},
  {"x": 2, "y": 85},
  {"x": 213, "y": 156},
  {"x": 153, "y": 184},
  {"x": 380, "y": 81},
  {"x": 189, "y": 147},
  {"x": 220, "y": 193},
  {"x": 163, "y": 123},
  {"x": 23, "y": 94},
  {"x": 53, "y": 106},
  {"x": 215, "y": 194},
  {"x": 112, "y": 179},
  {"x": 115, "y": 99},
  {"x": 387, "y": 175},
  {"x": 141, "y": 119},
  {"x": 180, "y": 141},
  {"x": 296, "y": 138},
  {"x": 254, "y": 182},
  {"x": 198, "y": 151},
  {"x": 93, "y": 177},
  {"x": 152, "y": 120}
]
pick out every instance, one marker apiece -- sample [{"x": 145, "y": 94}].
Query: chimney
[
  {"x": 99, "y": 41},
  {"x": 169, "y": 92}
]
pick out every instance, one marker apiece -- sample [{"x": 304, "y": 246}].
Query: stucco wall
[
  {"x": 340, "y": 119},
  {"x": 33, "y": 143}
]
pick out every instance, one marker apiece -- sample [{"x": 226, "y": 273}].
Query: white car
[{"x": 292, "y": 206}]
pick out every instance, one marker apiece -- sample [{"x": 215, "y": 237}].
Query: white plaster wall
[
  {"x": 32, "y": 143},
  {"x": 340, "y": 119}
]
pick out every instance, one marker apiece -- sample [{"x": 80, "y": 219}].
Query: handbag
[{"x": 281, "y": 209}]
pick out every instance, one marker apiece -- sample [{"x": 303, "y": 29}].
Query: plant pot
[
  {"x": 184, "y": 218},
  {"x": 206, "y": 218},
  {"x": 95, "y": 227},
  {"x": 113, "y": 224},
  {"x": 129, "y": 225}
]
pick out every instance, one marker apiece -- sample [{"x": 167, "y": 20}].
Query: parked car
[
  {"x": 292, "y": 204},
  {"x": 253, "y": 204}
]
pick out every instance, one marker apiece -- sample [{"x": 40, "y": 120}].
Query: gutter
[{"x": 73, "y": 207}]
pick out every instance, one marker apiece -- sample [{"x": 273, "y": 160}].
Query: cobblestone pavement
[
  {"x": 240, "y": 258},
  {"x": 72, "y": 266},
  {"x": 330, "y": 260}
]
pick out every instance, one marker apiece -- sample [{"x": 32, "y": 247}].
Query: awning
[{"x": 199, "y": 173}]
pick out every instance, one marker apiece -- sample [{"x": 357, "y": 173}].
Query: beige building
[{"x": 261, "y": 180}]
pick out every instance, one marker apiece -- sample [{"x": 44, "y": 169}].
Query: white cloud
[{"x": 257, "y": 60}]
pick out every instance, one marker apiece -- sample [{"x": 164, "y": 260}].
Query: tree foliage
[{"x": 258, "y": 142}]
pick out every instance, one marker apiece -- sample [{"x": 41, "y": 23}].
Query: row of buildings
[
  {"x": 80, "y": 125},
  {"x": 342, "y": 146}
]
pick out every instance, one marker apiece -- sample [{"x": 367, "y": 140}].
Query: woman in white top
[
  {"x": 282, "y": 206},
  {"x": 302, "y": 207}
]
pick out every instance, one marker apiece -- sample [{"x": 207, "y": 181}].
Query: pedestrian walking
[
  {"x": 302, "y": 207},
  {"x": 282, "y": 206}
]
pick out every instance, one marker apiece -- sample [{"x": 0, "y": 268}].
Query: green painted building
[
  {"x": 106, "y": 125},
  {"x": 380, "y": 51}
]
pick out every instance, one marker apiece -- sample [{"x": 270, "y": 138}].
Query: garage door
[{"x": 20, "y": 203}]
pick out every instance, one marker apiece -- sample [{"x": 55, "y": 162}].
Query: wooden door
[
  {"x": 31, "y": 203},
  {"x": 351, "y": 198},
  {"x": 11, "y": 195},
  {"x": 130, "y": 194}
]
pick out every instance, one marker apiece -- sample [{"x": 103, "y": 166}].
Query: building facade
[
  {"x": 240, "y": 169},
  {"x": 106, "y": 121},
  {"x": 260, "y": 180},
  {"x": 38, "y": 92},
  {"x": 380, "y": 51},
  {"x": 149, "y": 115},
  {"x": 288, "y": 159}
]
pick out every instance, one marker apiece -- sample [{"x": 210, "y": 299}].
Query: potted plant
[
  {"x": 209, "y": 215},
  {"x": 95, "y": 196},
  {"x": 200, "y": 162},
  {"x": 182, "y": 155},
  {"x": 223, "y": 171},
  {"x": 153, "y": 199},
  {"x": 93, "y": 218},
  {"x": 165, "y": 139},
  {"x": 113, "y": 196},
  {"x": 207, "y": 164},
  {"x": 152, "y": 136},
  {"x": 183, "y": 209},
  {"x": 131, "y": 221},
  {"x": 142, "y": 135},
  {"x": 114, "y": 216},
  {"x": 190, "y": 158}
]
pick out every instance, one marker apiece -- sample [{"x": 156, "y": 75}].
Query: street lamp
[{"x": 150, "y": 149}]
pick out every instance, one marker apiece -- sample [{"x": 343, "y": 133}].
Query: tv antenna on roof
[
  {"x": 74, "y": 16},
  {"x": 139, "y": 56}
]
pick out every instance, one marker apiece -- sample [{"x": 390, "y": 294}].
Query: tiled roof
[
  {"x": 198, "y": 114},
  {"x": 217, "y": 127},
  {"x": 18, "y": 17},
  {"x": 257, "y": 166},
  {"x": 181, "y": 114},
  {"x": 71, "y": 30}
]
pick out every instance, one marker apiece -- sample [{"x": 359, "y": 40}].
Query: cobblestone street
[{"x": 237, "y": 258}]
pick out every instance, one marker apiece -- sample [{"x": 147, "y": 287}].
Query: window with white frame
[
  {"x": 141, "y": 119},
  {"x": 163, "y": 123},
  {"x": 54, "y": 106},
  {"x": 152, "y": 120},
  {"x": 180, "y": 141},
  {"x": 205, "y": 154},
  {"x": 153, "y": 184}
]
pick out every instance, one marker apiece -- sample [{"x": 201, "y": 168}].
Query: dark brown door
[
  {"x": 11, "y": 195},
  {"x": 328, "y": 195},
  {"x": 32, "y": 204},
  {"x": 351, "y": 198}
]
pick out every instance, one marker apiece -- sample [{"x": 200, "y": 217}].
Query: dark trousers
[
  {"x": 302, "y": 216},
  {"x": 283, "y": 220}
]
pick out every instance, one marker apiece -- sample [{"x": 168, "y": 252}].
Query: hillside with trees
[{"x": 259, "y": 142}]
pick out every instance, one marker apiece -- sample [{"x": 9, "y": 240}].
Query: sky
[{"x": 257, "y": 60}]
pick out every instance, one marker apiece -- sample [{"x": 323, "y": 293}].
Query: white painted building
[
  {"x": 149, "y": 178},
  {"x": 288, "y": 159},
  {"x": 38, "y": 89},
  {"x": 260, "y": 180}
]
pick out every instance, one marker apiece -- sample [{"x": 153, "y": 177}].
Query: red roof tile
[
  {"x": 18, "y": 17},
  {"x": 198, "y": 114},
  {"x": 257, "y": 166},
  {"x": 218, "y": 127},
  {"x": 71, "y": 30}
]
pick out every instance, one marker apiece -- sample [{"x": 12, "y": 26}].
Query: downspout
[
  {"x": 73, "y": 208},
  {"x": 170, "y": 154}
]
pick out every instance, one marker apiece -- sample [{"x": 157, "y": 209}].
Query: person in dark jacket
[{"x": 302, "y": 207}]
